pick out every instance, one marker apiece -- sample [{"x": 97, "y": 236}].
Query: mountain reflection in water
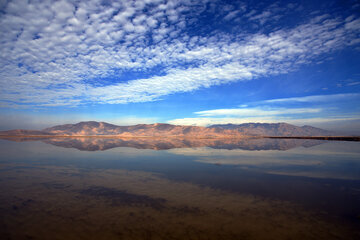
[
  {"x": 192, "y": 189},
  {"x": 101, "y": 144}
]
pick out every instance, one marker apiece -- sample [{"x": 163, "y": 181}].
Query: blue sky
[{"x": 180, "y": 62}]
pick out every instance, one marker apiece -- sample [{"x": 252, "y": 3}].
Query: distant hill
[
  {"x": 273, "y": 129},
  {"x": 23, "y": 132},
  {"x": 141, "y": 130},
  {"x": 92, "y": 128}
]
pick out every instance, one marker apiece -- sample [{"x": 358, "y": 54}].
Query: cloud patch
[
  {"x": 317, "y": 113},
  {"x": 63, "y": 53},
  {"x": 316, "y": 98}
]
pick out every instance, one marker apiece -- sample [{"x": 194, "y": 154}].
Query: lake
[{"x": 93, "y": 188}]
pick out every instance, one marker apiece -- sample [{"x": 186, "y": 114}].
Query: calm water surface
[{"x": 92, "y": 188}]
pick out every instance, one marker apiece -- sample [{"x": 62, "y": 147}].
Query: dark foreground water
[{"x": 91, "y": 188}]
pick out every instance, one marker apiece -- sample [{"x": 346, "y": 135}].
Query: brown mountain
[
  {"x": 93, "y": 128},
  {"x": 140, "y": 130},
  {"x": 273, "y": 129}
]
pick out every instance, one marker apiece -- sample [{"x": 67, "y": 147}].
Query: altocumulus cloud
[{"x": 65, "y": 52}]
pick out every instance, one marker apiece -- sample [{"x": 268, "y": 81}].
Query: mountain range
[
  {"x": 274, "y": 129},
  {"x": 92, "y": 128}
]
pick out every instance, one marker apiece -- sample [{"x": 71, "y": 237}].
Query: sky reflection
[{"x": 305, "y": 191}]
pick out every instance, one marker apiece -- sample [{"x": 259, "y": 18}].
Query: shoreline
[{"x": 326, "y": 138}]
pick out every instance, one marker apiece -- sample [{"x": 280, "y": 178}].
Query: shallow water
[{"x": 92, "y": 188}]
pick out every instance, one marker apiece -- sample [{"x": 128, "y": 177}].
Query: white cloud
[
  {"x": 316, "y": 98},
  {"x": 231, "y": 15},
  {"x": 353, "y": 83},
  {"x": 177, "y": 80},
  {"x": 262, "y": 17},
  {"x": 319, "y": 160},
  {"x": 62, "y": 55},
  {"x": 313, "y": 121},
  {"x": 266, "y": 112},
  {"x": 207, "y": 121},
  {"x": 242, "y": 112}
]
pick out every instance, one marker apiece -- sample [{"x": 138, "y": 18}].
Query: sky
[{"x": 186, "y": 62}]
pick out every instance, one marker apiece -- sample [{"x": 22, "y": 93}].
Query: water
[{"x": 92, "y": 188}]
